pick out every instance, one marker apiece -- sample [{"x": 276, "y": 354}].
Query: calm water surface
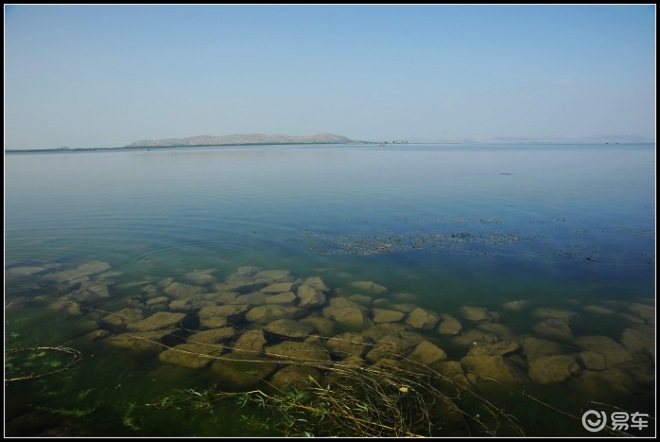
[{"x": 442, "y": 227}]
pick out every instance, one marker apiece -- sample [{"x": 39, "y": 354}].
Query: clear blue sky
[{"x": 104, "y": 75}]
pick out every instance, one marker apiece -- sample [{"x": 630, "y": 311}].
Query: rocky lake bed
[{"x": 257, "y": 325}]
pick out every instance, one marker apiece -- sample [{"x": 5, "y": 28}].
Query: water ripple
[{"x": 182, "y": 259}]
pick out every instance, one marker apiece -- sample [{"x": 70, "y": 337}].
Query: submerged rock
[
  {"x": 276, "y": 275},
  {"x": 298, "y": 351},
  {"x": 553, "y": 313},
  {"x": 553, "y": 369},
  {"x": 120, "y": 319},
  {"x": 554, "y": 328},
  {"x": 80, "y": 272},
  {"x": 496, "y": 348},
  {"x": 295, "y": 376},
  {"x": 66, "y": 305},
  {"x": 635, "y": 319},
  {"x": 89, "y": 291},
  {"x": 190, "y": 355},
  {"x": 264, "y": 314},
  {"x": 242, "y": 285},
  {"x": 17, "y": 303},
  {"x": 317, "y": 283},
  {"x": 244, "y": 271},
  {"x": 592, "y": 360},
  {"x": 252, "y": 298},
  {"x": 477, "y": 314},
  {"x": 493, "y": 367},
  {"x": 616, "y": 377},
  {"x": 516, "y": 305},
  {"x": 189, "y": 304},
  {"x": 97, "y": 335},
  {"x": 452, "y": 370},
  {"x": 250, "y": 343},
  {"x": 281, "y": 298},
  {"x": 156, "y": 321},
  {"x": 474, "y": 337},
  {"x": 347, "y": 313},
  {"x": 278, "y": 287},
  {"x": 369, "y": 287},
  {"x": 639, "y": 340},
  {"x": 614, "y": 352},
  {"x": 449, "y": 325},
  {"x": 179, "y": 290},
  {"x": 361, "y": 299},
  {"x": 427, "y": 353},
  {"x": 238, "y": 373},
  {"x": 406, "y": 307},
  {"x": 598, "y": 309},
  {"x": 535, "y": 347},
  {"x": 646, "y": 312},
  {"x": 382, "y": 315},
  {"x": 201, "y": 276},
  {"x": 379, "y": 331},
  {"x": 287, "y": 328},
  {"x": 143, "y": 341},
  {"x": 394, "y": 346},
  {"x": 310, "y": 296},
  {"x": 26, "y": 270},
  {"x": 213, "y": 336},
  {"x": 349, "y": 344},
  {"x": 590, "y": 382},
  {"x": 325, "y": 326},
  {"x": 502, "y": 331},
  {"x": 422, "y": 319},
  {"x": 159, "y": 302}
]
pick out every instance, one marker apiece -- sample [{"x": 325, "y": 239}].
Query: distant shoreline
[
  {"x": 319, "y": 143},
  {"x": 178, "y": 146}
]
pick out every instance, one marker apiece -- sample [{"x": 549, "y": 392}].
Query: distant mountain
[{"x": 210, "y": 140}]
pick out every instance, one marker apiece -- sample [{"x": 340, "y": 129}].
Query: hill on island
[{"x": 210, "y": 140}]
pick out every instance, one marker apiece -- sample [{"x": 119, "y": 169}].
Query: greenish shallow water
[{"x": 563, "y": 227}]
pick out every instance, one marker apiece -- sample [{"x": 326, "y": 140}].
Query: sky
[{"x": 108, "y": 75}]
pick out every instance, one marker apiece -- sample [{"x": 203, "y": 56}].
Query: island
[
  {"x": 211, "y": 140},
  {"x": 244, "y": 139}
]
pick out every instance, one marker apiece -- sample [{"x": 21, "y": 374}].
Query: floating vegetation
[
  {"x": 27, "y": 363},
  {"x": 341, "y": 244},
  {"x": 472, "y": 240}
]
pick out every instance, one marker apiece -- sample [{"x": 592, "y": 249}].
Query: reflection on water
[{"x": 448, "y": 282}]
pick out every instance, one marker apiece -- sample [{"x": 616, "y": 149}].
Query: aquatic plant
[{"x": 24, "y": 363}]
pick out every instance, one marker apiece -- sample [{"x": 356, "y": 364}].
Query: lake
[{"x": 295, "y": 289}]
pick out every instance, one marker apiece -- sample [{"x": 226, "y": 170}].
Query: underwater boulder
[
  {"x": 349, "y": 344},
  {"x": 156, "y": 321},
  {"x": 380, "y": 315},
  {"x": 449, "y": 325},
  {"x": 427, "y": 353},
  {"x": 288, "y": 328},
  {"x": 422, "y": 319},
  {"x": 553, "y": 369}
]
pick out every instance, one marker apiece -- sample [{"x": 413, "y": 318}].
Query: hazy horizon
[{"x": 108, "y": 75}]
